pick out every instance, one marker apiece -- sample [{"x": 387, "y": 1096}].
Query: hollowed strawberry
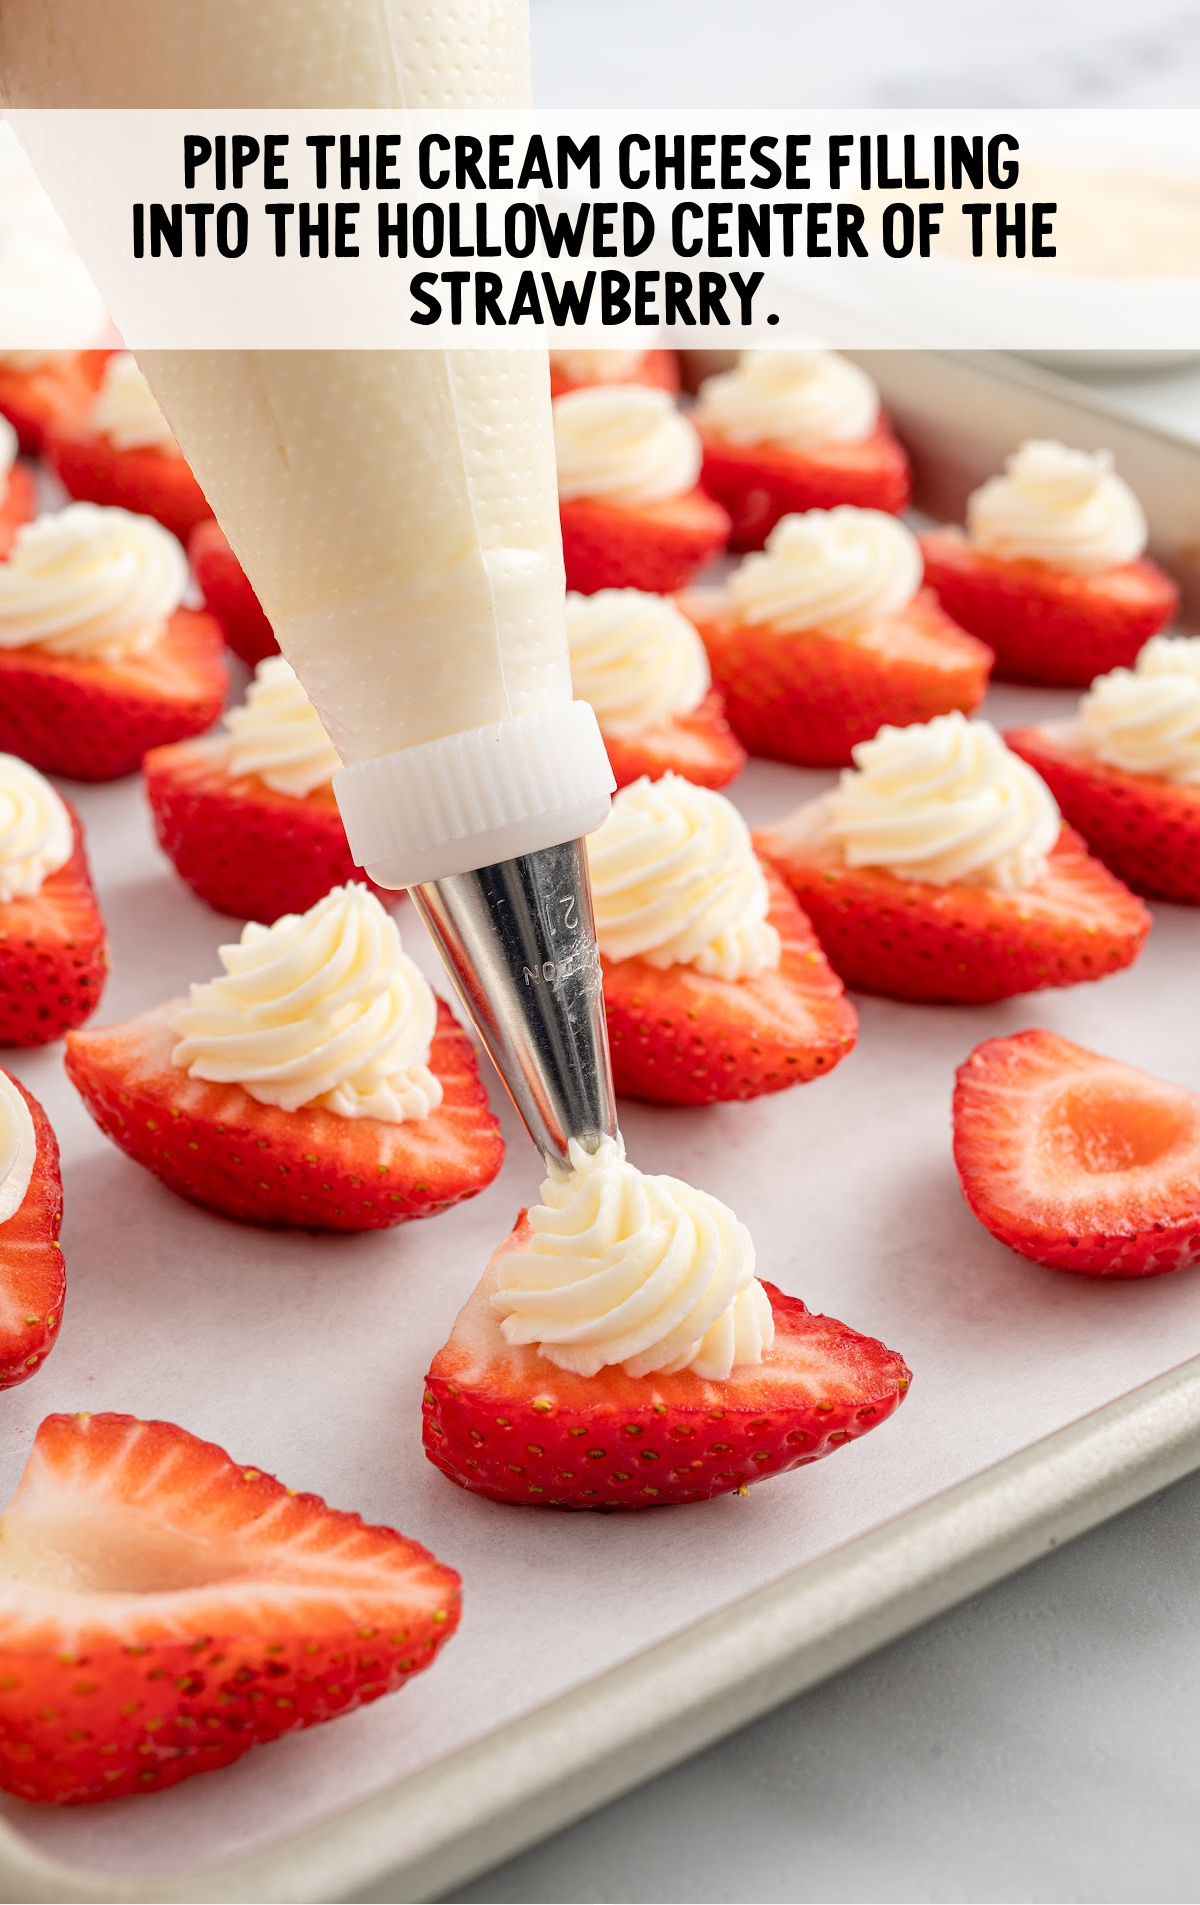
[
  {"x": 701, "y": 747},
  {"x": 53, "y": 955}
]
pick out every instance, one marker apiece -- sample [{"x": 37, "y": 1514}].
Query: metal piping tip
[{"x": 519, "y": 941}]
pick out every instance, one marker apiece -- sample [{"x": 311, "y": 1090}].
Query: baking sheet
[{"x": 305, "y": 1355}]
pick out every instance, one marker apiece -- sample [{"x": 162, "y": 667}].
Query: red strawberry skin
[
  {"x": 33, "y": 1282},
  {"x": 219, "y": 1147},
  {"x": 53, "y": 955},
  {"x": 228, "y": 596},
  {"x": 810, "y": 698},
  {"x": 93, "y": 720},
  {"x": 653, "y": 546},
  {"x": 658, "y": 370},
  {"x": 230, "y": 1610},
  {"x": 1045, "y": 625},
  {"x": 148, "y": 481},
  {"x": 1146, "y": 830},
  {"x": 51, "y": 396},
  {"x": 963, "y": 945},
  {"x": 760, "y": 482},
  {"x": 243, "y": 848},
  {"x": 680, "y": 1037},
  {"x": 701, "y": 747},
  {"x": 18, "y": 505},
  {"x": 507, "y": 1424},
  {"x": 1077, "y": 1161}
]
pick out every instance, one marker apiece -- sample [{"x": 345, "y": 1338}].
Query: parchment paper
[{"x": 305, "y": 1355}]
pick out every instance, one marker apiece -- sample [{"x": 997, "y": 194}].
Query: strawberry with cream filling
[
  {"x": 123, "y": 453},
  {"x": 939, "y": 869},
  {"x": 1051, "y": 572},
  {"x": 787, "y": 431},
  {"x": 98, "y": 660},
  {"x": 53, "y": 947},
  {"x": 714, "y": 985},
  {"x": 54, "y": 329},
  {"x": 580, "y": 369},
  {"x": 33, "y": 1281},
  {"x": 18, "y": 490},
  {"x": 248, "y": 817},
  {"x": 632, "y": 512},
  {"x": 640, "y": 663},
  {"x": 317, "y": 1081},
  {"x": 828, "y": 634},
  {"x": 621, "y": 1352}
]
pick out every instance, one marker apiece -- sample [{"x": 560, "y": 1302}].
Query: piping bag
[{"x": 397, "y": 514}]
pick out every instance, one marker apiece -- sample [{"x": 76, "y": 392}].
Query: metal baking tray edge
[
  {"x": 440, "y": 1827},
  {"x": 437, "y": 1828}
]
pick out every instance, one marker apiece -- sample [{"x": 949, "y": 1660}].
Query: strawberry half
[
  {"x": 504, "y": 1422},
  {"x": 18, "y": 504},
  {"x": 701, "y": 747},
  {"x": 220, "y": 1147},
  {"x": 652, "y": 546},
  {"x": 243, "y": 848},
  {"x": 227, "y": 593},
  {"x": 148, "y": 481},
  {"x": 94, "y": 720},
  {"x": 809, "y": 698},
  {"x": 962, "y": 945},
  {"x": 53, "y": 954},
  {"x": 1046, "y": 625},
  {"x": 760, "y": 482},
  {"x": 1079, "y": 1161},
  {"x": 163, "y": 1609},
  {"x": 51, "y": 396},
  {"x": 1145, "y": 829},
  {"x": 682, "y": 1037},
  {"x": 658, "y": 370},
  {"x": 33, "y": 1281}
]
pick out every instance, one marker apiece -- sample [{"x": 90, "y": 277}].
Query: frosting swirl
[
  {"x": 125, "y": 411},
  {"x": 596, "y": 367},
  {"x": 1062, "y": 507},
  {"x": 675, "y": 881},
  {"x": 96, "y": 584},
  {"x": 36, "y": 835},
  {"x": 18, "y": 1148},
  {"x": 323, "y": 1008},
  {"x": 1146, "y": 719},
  {"x": 945, "y": 802},
  {"x": 624, "y": 442},
  {"x": 644, "y": 1272},
  {"x": 797, "y": 398},
  {"x": 49, "y": 306},
  {"x": 841, "y": 571},
  {"x": 636, "y": 658},
  {"x": 277, "y": 736}
]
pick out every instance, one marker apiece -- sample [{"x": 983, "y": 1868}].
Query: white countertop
[{"x": 1038, "y": 1742}]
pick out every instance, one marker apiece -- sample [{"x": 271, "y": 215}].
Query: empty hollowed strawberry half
[
  {"x": 1048, "y": 625},
  {"x": 1078, "y": 1161},
  {"x": 1145, "y": 828},
  {"x": 94, "y": 720},
  {"x": 810, "y": 697},
  {"x": 147, "y": 480},
  {"x": 163, "y": 1609},
  {"x": 53, "y": 954},
  {"x": 962, "y": 945},
  {"x": 218, "y": 1146},
  {"x": 242, "y": 847},
  {"x": 700, "y": 747},
  {"x": 57, "y": 394},
  {"x": 683, "y": 1037},
  {"x": 228, "y": 594},
  {"x": 33, "y": 1282},
  {"x": 18, "y": 503},
  {"x": 759, "y": 483},
  {"x": 506, "y": 1423},
  {"x": 655, "y": 546}
]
